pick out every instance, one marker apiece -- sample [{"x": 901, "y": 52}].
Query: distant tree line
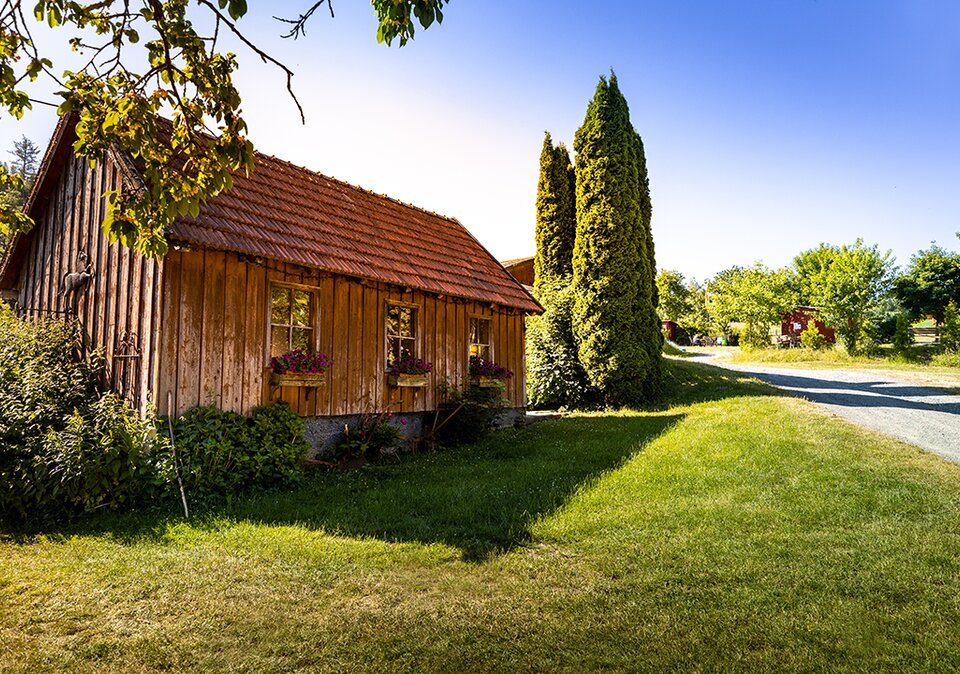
[{"x": 856, "y": 289}]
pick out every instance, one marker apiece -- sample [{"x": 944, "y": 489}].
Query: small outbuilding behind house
[{"x": 795, "y": 322}]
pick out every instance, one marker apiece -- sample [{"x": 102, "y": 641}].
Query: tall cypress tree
[
  {"x": 555, "y": 377},
  {"x": 646, "y": 213},
  {"x": 612, "y": 272},
  {"x": 556, "y": 215},
  {"x": 650, "y": 319}
]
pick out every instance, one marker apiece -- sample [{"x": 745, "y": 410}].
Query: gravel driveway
[{"x": 921, "y": 415}]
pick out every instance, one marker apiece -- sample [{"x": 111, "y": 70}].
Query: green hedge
[
  {"x": 68, "y": 448},
  {"x": 64, "y": 447},
  {"x": 222, "y": 453}
]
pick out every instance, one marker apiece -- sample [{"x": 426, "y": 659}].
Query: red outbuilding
[
  {"x": 669, "y": 330},
  {"x": 796, "y": 322}
]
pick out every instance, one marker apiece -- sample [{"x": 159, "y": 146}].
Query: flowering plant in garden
[
  {"x": 299, "y": 361},
  {"x": 370, "y": 439},
  {"x": 408, "y": 365},
  {"x": 487, "y": 368}
]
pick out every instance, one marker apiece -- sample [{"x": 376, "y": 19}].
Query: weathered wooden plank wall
[
  {"x": 215, "y": 325},
  {"x": 122, "y": 299}
]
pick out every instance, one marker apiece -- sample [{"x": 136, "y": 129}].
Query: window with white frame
[
  {"x": 480, "y": 343},
  {"x": 291, "y": 319},
  {"x": 401, "y": 332}
]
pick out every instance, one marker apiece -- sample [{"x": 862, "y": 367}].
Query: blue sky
[{"x": 770, "y": 126}]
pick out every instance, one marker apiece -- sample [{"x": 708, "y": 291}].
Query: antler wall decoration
[{"x": 76, "y": 281}]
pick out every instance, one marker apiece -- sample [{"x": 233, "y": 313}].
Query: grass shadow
[
  {"x": 482, "y": 499},
  {"x": 687, "y": 382}
]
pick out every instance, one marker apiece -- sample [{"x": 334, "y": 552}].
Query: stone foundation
[{"x": 323, "y": 433}]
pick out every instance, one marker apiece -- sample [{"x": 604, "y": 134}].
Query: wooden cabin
[{"x": 288, "y": 258}]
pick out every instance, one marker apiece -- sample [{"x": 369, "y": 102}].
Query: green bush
[
  {"x": 866, "y": 344},
  {"x": 811, "y": 338},
  {"x": 220, "y": 453},
  {"x": 902, "y": 338},
  {"x": 104, "y": 457},
  {"x": 64, "y": 447},
  {"x": 950, "y": 330},
  {"x": 469, "y": 414},
  {"x": 370, "y": 438},
  {"x": 67, "y": 448},
  {"x": 755, "y": 336},
  {"x": 555, "y": 377}
]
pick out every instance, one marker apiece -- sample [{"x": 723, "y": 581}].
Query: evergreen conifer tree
[
  {"x": 646, "y": 213},
  {"x": 556, "y": 215},
  {"x": 649, "y": 295},
  {"x": 614, "y": 318}
]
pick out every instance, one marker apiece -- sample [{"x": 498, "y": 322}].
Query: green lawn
[{"x": 729, "y": 530}]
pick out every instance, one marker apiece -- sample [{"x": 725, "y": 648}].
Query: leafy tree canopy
[
  {"x": 674, "y": 295},
  {"x": 184, "y": 75},
  {"x": 683, "y": 301},
  {"x": 757, "y": 296},
  {"x": 845, "y": 283},
  {"x": 697, "y": 320},
  {"x": 930, "y": 283}
]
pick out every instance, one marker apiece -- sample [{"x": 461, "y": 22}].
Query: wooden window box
[
  {"x": 485, "y": 382},
  {"x": 408, "y": 380},
  {"x": 302, "y": 379}
]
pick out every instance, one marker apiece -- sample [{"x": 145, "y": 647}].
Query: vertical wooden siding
[
  {"x": 123, "y": 294},
  {"x": 214, "y": 328}
]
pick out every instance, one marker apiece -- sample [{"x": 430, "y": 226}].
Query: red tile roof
[{"x": 288, "y": 213}]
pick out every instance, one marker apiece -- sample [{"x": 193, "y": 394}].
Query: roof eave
[{"x": 50, "y": 165}]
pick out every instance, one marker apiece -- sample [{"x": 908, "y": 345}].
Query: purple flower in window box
[
  {"x": 409, "y": 365},
  {"x": 299, "y": 361},
  {"x": 487, "y": 369}
]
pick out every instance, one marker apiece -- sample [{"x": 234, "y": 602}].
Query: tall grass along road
[{"x": 924, "y": 416}]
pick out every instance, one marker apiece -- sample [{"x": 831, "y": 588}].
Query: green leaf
[
  {"x": 237, "y": 8},
  {"x": 111, "y": 120}
]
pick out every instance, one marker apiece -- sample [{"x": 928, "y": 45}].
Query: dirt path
[{"x": 921, "y": 415}]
